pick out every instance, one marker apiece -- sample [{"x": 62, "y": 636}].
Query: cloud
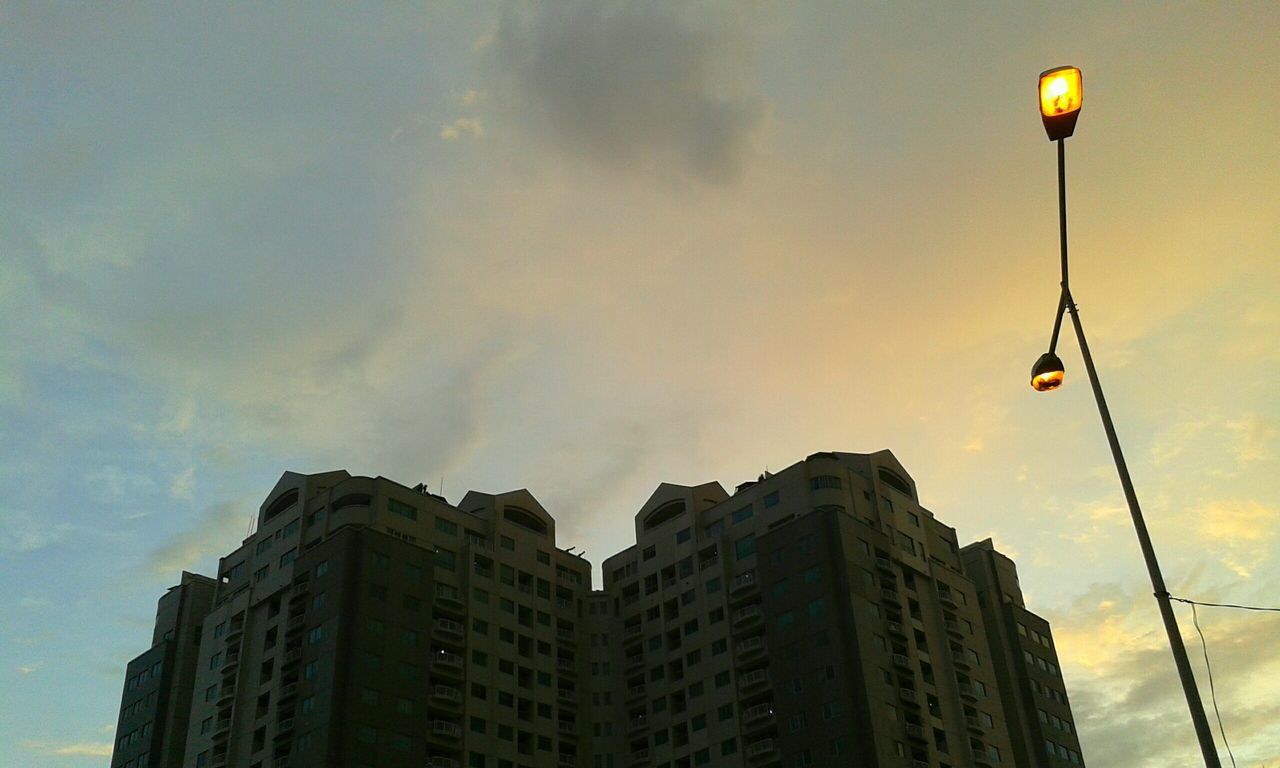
[
  {"x": 27, "y": 669},
  {"x": 1239, "y": 530},
  {"x": 20, "y": 531},
  {"x": 629, "y": 85},
  {"x": 184, "y": 484},
  {"x": 468, "y": 127},
  {"x": 1254, "y": 435},
  {"x": 74, "y": 749},
  {"x": 218, "y": 526}
]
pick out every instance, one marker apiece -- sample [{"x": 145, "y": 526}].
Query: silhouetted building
[
  {"x": 1031, "y": 688},
  {"x": 151, "y": 731},
  {"x": 818, "y": 615}
]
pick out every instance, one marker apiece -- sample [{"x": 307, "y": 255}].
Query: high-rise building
[
  {"x": 156, "y": 702},
  {"x": 818, "y": 616},
  {"x": 1041, "y": 727}
]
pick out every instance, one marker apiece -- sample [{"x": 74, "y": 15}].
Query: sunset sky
[{"x": 585, "y": 248}]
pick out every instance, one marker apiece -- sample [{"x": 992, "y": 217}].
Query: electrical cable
[
  {"x": 1213, "y": 695},
  {"x": 1224, "y": 605}
]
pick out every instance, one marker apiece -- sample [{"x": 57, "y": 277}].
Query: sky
[{"x": 585, "y": 248}]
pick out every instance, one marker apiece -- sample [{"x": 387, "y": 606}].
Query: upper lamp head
[
  {"x": 1061, "y": 94},
  {"x": 1047, "y": 373}
]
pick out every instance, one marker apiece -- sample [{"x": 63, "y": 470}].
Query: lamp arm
[{"x": 1057, "y": 322}]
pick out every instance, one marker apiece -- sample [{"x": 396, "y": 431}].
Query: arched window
[
  {"x": 669, "y": 511},
  {"x": 286, "y": 500},
  {"x": 895, "y": 482},
  {"x": 352, "y": 500},
  {"x": 524, "y": 518}
]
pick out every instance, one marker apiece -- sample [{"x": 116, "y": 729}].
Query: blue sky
[{"x": 586, "y": 248}]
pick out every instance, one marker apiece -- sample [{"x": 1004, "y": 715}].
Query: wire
[
  {"x": 1224, "y": 605},
  {"x": 1195, "y": 619}
]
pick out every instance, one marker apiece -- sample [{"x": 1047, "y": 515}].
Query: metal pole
[{"x": 1198, "y": 718}]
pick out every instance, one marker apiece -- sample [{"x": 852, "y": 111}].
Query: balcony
[
  {"x": 901, "y": 661},
  {"x": 567, "y": 696},
  {"x": 747, "y": 616},
  {"x": 222, "y": 730},
  {"x": 227, "y": 695},
  {"x": 890, "y": 596},
  {"x": 292, "y": 656},
  {"x": 973, "y": 724},
  {"x": 960, "y": 658},
  {"x": 447, "y": 599},
  {"x": 288, "y": 691},
  {"x": 448, "y": 630},
  {"x": 743, "y": 586},
  {"x": 446, "y": 695},
  {"x": 947, "y": 600},
  {"x": 754, "y": 681},
  {"x": 915, "y": 732},
  {"x": 763, "y": 751},
  {"x": 294, "y": 624},
  {"x": 565, "y": 635},
  {"x": 636, "y": 724},
  {"x": 969, "y": 691},
  {"x": 895, "y": 629},
  {"x": 439, "y": 761},
  {"x": 300, "y": 590},
  {"x": 758, "y": 716},
  {"x": 909, "y": 696},
  {"x": 445, "y": 663},
  {"x": 566, "y": 667},
  {"x": 444, "y": 730},
  {"x": 632, "y": 632},
  {"x": 567, "y": 727},
  {"x": 635, "y": 693},
  {"x": 566, "y": 760},
  {"x": 953, "y": 627},
  {"x": 640, "y": 757},
  {"x": 635, "y": 663},
  {"x": 231, "y": 663},
  {"x": 749, "y": 649},
  {"x": 884, "y": 564}
]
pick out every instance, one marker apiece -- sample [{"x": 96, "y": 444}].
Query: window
[
  {"x": 446, "y": 526},
  {"x": 742, "y": 514},
  {"x": 811, "y": 575},
  {"x": 650, "y": 552},
  {"x": 315, "y": 636},
  {"x": 311, "y": 671},
  {"x": 380, "y": 561},
  {"x": 544, "y": 557},
  {"x": 771, "y": 500},
  {"x": 261, "y": 573},
  {"x": 713, "y": 585},
  {"x": 446, "y": 560},
  {"x": 403, "y": 510},
  {"x": 745, "y": 546},
  {"x": 816, "y": 607},
  {"x": 826, "y": 481},
  {"x": 507, "y": 543},
  {"x": 288, "y": 557},
  {"x": 322, "y": 568},
  {"x": 683, "y": 535}
]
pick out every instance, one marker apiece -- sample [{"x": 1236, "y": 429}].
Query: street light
[{"x": 1061, "y": 96}]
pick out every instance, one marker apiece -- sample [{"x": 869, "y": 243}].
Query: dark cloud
[{"x": 628, "y": 85}]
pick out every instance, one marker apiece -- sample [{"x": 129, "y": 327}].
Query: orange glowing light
[
  {"x": 1046, "y": 382},
  {"x": 1061, "y": 91}
]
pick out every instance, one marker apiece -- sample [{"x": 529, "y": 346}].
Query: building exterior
[
  {"x": 1042, "y": 729},
  {"x": 155, "y": 705},
  {"x": 816, "y": 617}
]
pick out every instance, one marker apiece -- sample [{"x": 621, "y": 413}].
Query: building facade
[{"x": 815, "y": 617}]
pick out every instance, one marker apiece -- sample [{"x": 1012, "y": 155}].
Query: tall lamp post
[{"x": 1061, "y": 94}]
